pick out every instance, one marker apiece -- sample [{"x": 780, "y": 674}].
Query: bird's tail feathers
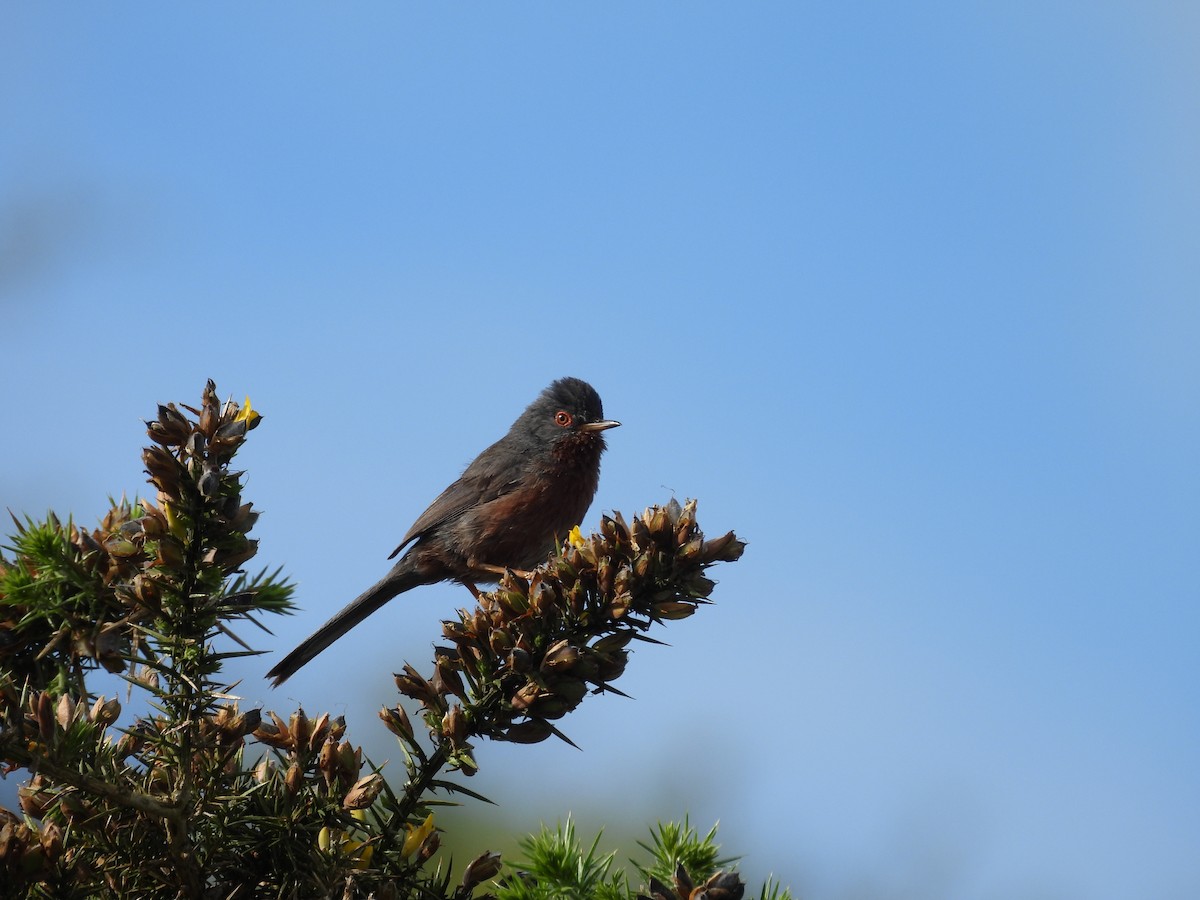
[{"x": 397, "y": 581}]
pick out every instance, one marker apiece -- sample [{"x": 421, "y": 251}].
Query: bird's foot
[{"x": 497, "y": 570}]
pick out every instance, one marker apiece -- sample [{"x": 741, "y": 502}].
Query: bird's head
[{"x": 567, "y": 415}]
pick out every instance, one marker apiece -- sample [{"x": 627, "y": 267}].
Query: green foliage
[
  {"x": 556, "y": 867},
  {"x": 773, "y": 890},
  {"x": 674, "y": 844},
  {"x": 177, "y": 803},
  {"x": 681, "y": 864}
]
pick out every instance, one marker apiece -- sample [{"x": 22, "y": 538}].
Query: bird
[{"x": 507, "y": 510}]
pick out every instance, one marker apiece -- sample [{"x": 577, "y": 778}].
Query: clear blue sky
[{"x": 908, "y": 294}]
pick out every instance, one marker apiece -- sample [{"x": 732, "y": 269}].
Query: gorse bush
[{"x": 198, "y": 798}]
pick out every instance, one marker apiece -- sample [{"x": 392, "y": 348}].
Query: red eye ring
[{"x": 563, "y": 419}]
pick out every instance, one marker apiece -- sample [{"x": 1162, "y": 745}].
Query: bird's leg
[
  {"x": 470, "y": 586},
  {"x": 497, "y": 570}
]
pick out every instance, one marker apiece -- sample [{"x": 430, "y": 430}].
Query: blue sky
[{"x": 904, "y": 293}]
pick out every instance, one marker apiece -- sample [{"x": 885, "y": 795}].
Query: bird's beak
[{"x": 599, "y": 426}]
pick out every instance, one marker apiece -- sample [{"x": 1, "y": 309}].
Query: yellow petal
[
  {"x": 416, "y": 836},
  {"x": 364, "y": 858},
  {"x": 173, "y": 523},
  {"x": 248, "y": 414}
]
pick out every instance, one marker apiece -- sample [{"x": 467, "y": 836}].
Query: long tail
[{"x": 400, "y": 579}]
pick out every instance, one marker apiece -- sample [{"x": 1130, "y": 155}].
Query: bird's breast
[{"x": 520, "y": 528}]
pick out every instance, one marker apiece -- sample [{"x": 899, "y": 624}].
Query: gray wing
[{"x": 479, "y": 484}]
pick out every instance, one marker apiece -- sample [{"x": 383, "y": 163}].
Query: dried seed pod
[
  {"x": 164, "y": 470},
  {"x": 275, "y": 733},
  {"x": 146, "y": 591},
  {"x": 581, "y": 558},
  {"x": 230, "y": 559},
  {"x": 84, "y": 541},
  {"x": 244, "y": 518},
  {"x": 64, "y": 712},
  {"x": 412, "y": 684},
  {"x": 563, "y": 570},
  {"x": 532, "y": 731},
  {"x": 429, "y": 846},
  {"x": 658, "y": 521},
  {"x": 364, "y": 792},
  {"x": 105, "y": 712},
  {"x": 232, "y": 432},
  {"x": 542, "y": 598},
  {"x": 196, "y": 446},
  {"x": 337, "y": 728},
  {"x": 690, "y": 551},
  {"x": 577, "y": 598},
  {"x": 246, "y": 723},
  {"x": 723, "y": 886},
  {"x": 611, "y": 666},
  {"x": 624, "y": 581},
  {"x": 454, "y": 726},
  {"x": 726, "y": 548},
  {"x": 685, "y": 523},
  {"x": 482, "y": 868},
  {"x": 550, "y": 707},
  {"x": 606, "y": 572},
  {"x": 672, "y": 609},
  {"x": 210, "y": 482},
  {"x": 43, "y": 713},
  {"x": 572, "y": 690},
  {"x": 174, "y": 422},
  {"x": 121, "y": 547},
  {"x": 263, "y": 770},
  {"x": 210, "y": 418},
  {"x": 33, "y": 798},
  {"x": 170, "y": 553},
  {"x": 349, "y": 759},
  {"x": 588, "y": 666},
  {"x": 673, "y": 511},
  {"x": 611, "y": 642},
  {"x": 613, "y": 532},
  {"x": 446, "y": 680},
  {"x": 397, "y": 722},
  {"x": 50, "y": 836},
  {"x": 639, "y": 534},
  {"x": 159, "y": 434},
  {"x": 328, "y": 763},
  {"x": 320, "y": 729},
  {"x": 561, "y": 657},
  {"x": 683, "y": 881},
  {"x": 621, "y": 525},
  {"x": 463, "y": 760},
  {"x": 525, "y": 696},
  {"x": 513, "y": 603},
  {"x": 499, "y": 641},
  {"x": 127, "y": 745},
  {"x": 293, "y": 778}
]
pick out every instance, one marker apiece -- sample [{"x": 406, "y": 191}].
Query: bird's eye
[{"x": 563, "y": 418}]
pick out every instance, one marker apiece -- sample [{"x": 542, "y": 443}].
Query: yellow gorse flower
[
  {"x": 248, "y": 414},
  {"x": 174, "y": 525},
  {"x": 359, "y": 851},
  {"x": 416, "y": 835}
]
